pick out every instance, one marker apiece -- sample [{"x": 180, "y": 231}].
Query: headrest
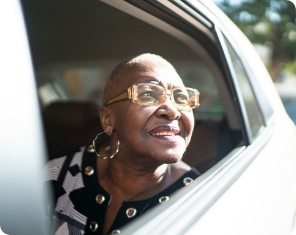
[
  {"x": 70, "y": 125},
  {"x": 71, "y": 116}
]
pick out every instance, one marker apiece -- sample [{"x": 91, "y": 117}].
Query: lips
[{"x": 165, "y": 132}]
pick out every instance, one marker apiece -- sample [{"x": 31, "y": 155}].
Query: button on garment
[
  {"x": 89, "y": 170},
  {"x": 114, "y": 232},
  {"x": 93, "y": 226},
  {"x": 131, "y": 212},
  {"x": 100, "y": 199},
  {"x": 163, "y": 199},
  {"x": 187, "y": 180}
]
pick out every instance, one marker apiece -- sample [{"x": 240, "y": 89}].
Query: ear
[{"x": 106, "y": 117}]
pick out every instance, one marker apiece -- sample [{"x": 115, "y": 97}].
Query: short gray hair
[{"x": 117, "y": 75}]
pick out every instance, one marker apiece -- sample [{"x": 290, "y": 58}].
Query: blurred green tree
[{"x": 270, "y": 23}]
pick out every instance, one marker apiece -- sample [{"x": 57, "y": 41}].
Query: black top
[{"x": 81, "y": 202}]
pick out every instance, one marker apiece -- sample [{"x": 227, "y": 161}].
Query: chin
[
  {"x": 167, "y": 155},
  {"x": 173, "y": 158}
]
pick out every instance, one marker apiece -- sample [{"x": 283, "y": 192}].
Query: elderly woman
[{"x": 147, "y": 121}]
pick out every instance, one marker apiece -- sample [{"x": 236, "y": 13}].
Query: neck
[{"x": 131, "y": 181}]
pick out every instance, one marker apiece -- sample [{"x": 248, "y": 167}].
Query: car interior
[{"x": 75, "y": 45}]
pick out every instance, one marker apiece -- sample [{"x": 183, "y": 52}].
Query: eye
[
  {"x": 147, "y": 97},
  {"x": 148, "y": 93},
  {"x": 181, "y": 98}
]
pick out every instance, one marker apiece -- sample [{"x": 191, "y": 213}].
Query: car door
[{"x": 243, "y": 139}]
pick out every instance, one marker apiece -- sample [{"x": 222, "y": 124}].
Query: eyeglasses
[{"x": 148, "y": 94}]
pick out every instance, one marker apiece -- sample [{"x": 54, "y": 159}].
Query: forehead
[{"x": 163, "y": 74}]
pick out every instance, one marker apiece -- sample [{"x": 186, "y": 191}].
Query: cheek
[{"x": 130, "y": 122}]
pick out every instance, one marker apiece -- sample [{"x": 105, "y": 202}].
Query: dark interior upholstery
[
  {"x": 70, "y": 125},
  {"x": 203, "y": 148},
  {"x": 210, "y": 142}
]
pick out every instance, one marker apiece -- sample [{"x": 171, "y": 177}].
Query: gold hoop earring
[{"x": 92, "y": 148}]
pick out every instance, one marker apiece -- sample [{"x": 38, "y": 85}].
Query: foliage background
[{"x": 271, "y": 24}]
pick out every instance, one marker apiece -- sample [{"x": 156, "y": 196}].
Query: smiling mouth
[{"x": 165, "y": 132}]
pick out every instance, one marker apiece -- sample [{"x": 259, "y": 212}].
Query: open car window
[{"x": 78, "y": 63}]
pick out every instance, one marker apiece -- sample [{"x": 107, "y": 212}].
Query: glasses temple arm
[{"x": 122, "y": 96}]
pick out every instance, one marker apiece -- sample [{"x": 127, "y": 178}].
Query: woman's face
[{"x": 160, "y": 133}]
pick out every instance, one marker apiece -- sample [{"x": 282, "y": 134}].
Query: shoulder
[{"x": 53, "y": 168}]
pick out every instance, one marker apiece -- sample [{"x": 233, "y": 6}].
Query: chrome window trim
[
  {"x": 262, "y": 101},
  {"x": 242, "y": 108},
  {"x": 198, "y": 21},
  {"x": 184, "y": 208}
]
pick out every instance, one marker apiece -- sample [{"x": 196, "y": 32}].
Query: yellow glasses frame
[{"x": 131, "y": 93}]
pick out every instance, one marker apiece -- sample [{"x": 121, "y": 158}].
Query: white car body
[{"x": 251, "y": 190}]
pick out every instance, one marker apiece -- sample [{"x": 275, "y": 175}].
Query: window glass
[
  {"x": 200, "y": 77},
  {"x": 84, "y": 84},
  {"x": 251, "y": 105}
]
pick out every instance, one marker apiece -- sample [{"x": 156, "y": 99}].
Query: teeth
[{"x": 164, "y": 133}]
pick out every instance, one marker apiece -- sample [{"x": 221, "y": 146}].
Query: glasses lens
[
  {"x": 185, "y": 98},
  {"x": 181, "y": 97},
  {"x": 149, "y": 94}
]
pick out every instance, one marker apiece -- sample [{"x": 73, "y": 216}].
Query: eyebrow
[
  {"x": 157, "y": 82},
  {"x": 151, "y": 81}
]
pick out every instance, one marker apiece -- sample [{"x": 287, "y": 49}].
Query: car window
[
  {"x": 79, "y": 75},
  {"x": 252, "y": 109}
]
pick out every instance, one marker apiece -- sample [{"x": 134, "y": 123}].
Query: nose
[{"x": 168, "y": 110}]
